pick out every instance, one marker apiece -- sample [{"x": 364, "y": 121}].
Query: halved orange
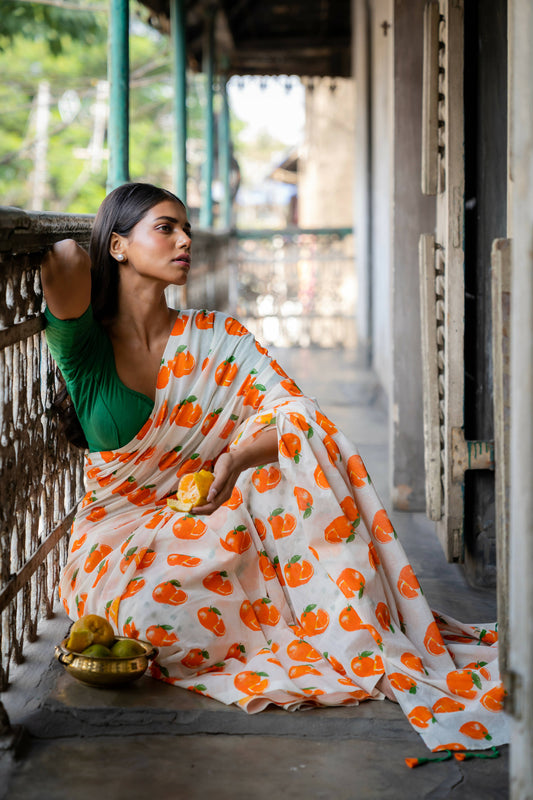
[{"x": 192, "y": 490}]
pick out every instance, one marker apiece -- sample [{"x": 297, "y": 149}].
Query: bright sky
[{"x": 280, "y": 112}]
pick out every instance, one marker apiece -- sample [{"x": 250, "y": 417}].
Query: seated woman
[{"x": 289, "y": 585}]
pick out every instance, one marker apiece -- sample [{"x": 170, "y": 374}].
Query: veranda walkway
[{"x": 153, "y": 740}]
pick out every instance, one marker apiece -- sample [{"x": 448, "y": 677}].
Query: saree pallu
[{"x": 296, "y": 591}]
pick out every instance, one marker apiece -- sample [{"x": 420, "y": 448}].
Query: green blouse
[{"x": 110, "y": 413}]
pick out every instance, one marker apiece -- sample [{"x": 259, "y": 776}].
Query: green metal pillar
[
  {"x": 224, "y": 156},
  {"x": 179, "y": 61},
  {"x": 119, "y": 85},
  {"x": 206, "y": 212}
]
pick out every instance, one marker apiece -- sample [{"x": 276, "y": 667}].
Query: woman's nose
[{"x": 183, "y": 239}]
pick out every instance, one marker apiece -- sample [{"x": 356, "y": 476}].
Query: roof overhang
[{"x": 267, "y": 37}]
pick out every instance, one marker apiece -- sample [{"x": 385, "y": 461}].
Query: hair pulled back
[{"x": 121, "y": 210}]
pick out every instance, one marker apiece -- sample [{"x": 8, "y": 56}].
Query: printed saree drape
[{"x": 297, "y": 590}]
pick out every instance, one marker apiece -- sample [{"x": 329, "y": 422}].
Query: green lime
[
  {"x": 97, "y": 651},
  {"x": 127, "y": 648}
]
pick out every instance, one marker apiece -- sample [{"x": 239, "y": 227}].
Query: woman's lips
[{"x": 182, "y": 260}]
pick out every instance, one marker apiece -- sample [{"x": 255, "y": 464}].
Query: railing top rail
[
  {"x": 266, "y": 233},
  {"x": 31, "y": 231}
]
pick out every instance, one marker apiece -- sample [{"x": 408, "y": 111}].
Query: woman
[{"x": 289, "y": 585}]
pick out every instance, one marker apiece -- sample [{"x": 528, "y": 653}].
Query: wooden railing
[{"x": 41, "y": 475}]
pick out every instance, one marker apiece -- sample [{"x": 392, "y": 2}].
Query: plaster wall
[
  {"x": 521, "y": 500},
  {"x": 412, "y": 213},
  {"x": 325, "y": 168},
  {"x": 381, "y": 153}
]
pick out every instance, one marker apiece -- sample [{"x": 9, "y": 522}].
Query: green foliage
[
  {"x": 49, "y": 24},
  {"x": 75, "y": 183}
]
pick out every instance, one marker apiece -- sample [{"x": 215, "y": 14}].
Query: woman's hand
[
  {"x": 259, "y": 449},
  {"x": 226, "y": 472}
]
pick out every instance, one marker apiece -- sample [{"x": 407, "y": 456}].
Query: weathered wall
[
  {"x": 412, "y": 214},
  {"x": 521, "y": 502},
  {"x": 325, "y": 167},
  {"x": 361, "y": 175},
  {"x": 381, "y": 52}
]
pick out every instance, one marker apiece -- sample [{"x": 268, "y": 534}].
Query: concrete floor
[{"x": 151, "y": 738}]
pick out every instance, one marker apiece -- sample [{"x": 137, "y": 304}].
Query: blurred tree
[{"x": 75, "y": 71}]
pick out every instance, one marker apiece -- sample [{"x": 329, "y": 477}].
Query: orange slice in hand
[{"x": 192, "y": 491}]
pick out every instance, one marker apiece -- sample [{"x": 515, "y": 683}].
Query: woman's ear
[{"x": 117, "y": 247}]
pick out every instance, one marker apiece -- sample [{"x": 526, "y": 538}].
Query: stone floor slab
[{"x": 241, "y": 767}]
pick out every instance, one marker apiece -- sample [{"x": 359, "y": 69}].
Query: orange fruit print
[
  {"x": 205, "y": 320},
  {"x": 226, "y": 372},
  {"x": 180, "y": 324},
  {"x": 96, "y": 554},
  {"x": 218, "y": 582},
  {"x": 447, "y": 706},
  {"x": 238, "y": 540},
  {"x": 250, "y": 682},
  {"x": 421, "y": 717},
  {"x": 169, "y": 592},
  {"x": 493, "y": 699},
  {"x": 234, "y": 328},
  {"x": 266, "y": 566},
  {"x": 266, "y": 612},
  {"x": 183, "y": 362},
  {"x": 161, "y": 635},
  {"x": 325, "y": 423},
  {"x": 366, "y": 664},
  {"x": 341, "y": 529},
  {"x": 408, "y": 585},
  {"x": 314, "y": 622},
  {"x": 433, "y": 640},
  {"x": 475, "y": 730},
  {"x": 351, "y": 582},
  {"x": 357, "y": 471},
  {"x": 413, "y": 662},
  {"x": 304, "y": 500},
  {"x": 349, "y": 619},
  {"x": 235, "y": 500},
  {"x": 248, "y": 616},
  {"x": 195, "y": 658},
  {"x": 464, "y": 683},
  {"x": 266, "y": 478},
  {"x": 211, "y": 618},
  {"x": 382, "y": 528},
  {"x": 402, "y": 682},
  {"x": 298, "y": 571},
  {"x": 183, "y": 560},
  {"x": 237, "y": 651},
  {"x": 282, "y": 524},
  {"x": 189, "y": 527},
  {"x": 300, "y": 650},
  {"x": 320, "y": 478},
  {"x": 290, "y": 446}
]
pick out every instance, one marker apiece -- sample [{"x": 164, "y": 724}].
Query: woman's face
[{"x": 159, "y": 245}]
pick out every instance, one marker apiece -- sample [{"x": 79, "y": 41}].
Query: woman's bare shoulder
[{"x": 66, "y": 279}]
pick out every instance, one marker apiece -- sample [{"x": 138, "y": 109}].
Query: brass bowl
[{"x": 110, "y": 671}]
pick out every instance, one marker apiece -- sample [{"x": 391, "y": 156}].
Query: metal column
[
  {"x": 224, "y": 157},
  {"x": 206, "y": 213},
  {"x": 179, "y": 62},
  {"x": 119, "y": 78}
]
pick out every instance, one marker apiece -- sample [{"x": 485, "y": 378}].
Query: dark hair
[{"x": 121, "y": 210}]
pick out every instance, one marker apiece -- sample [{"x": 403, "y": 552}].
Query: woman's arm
[
  {"x": 66, "y": 279},
  {"x": 253, "y": 452}
]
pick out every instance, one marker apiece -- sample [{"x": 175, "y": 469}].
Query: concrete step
[{"x": 50, "y": 704}]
